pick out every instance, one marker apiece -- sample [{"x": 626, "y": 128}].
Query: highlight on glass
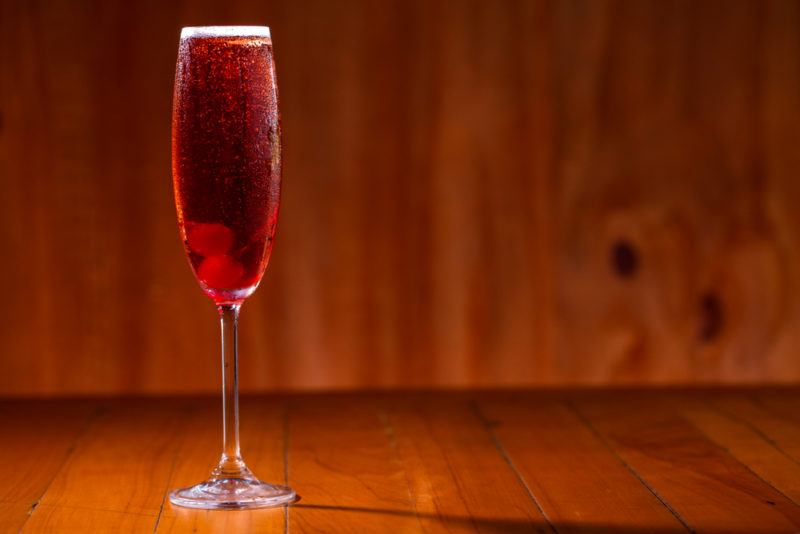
[{"x": 226, "y": 169}]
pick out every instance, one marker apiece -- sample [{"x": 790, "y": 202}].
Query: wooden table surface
[{"x": 535, "y": 461}]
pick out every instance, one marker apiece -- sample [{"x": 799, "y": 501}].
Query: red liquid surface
[{"x": 226, "y": 158}]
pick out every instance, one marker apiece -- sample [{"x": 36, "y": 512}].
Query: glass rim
[{"x": 225, "y": 31}]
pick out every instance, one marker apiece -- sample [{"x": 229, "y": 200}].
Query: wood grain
[
  {"x": 345, "y": 470},
  {"x": 118, "y": 474},
  {"x": 456, "y": 477},
  {"x": 476, "y": 193},
  {"x": 557, "y": 461},
  {"x": 774, "y": 416},
  {"x": 578, "y": 482},
  {"x": 262, "y": 431},
  {"x": 35, "y": 441},
  {"x": 747, "y": 443},
  {"x": 676, "y": 459}
]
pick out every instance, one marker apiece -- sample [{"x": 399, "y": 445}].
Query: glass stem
[{"x": 231, "y": 464}]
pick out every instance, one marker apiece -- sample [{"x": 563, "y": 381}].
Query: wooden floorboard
[
  {"x": 36, "y": 438},
  {"x": 776, "y": 415},
  {"x": 579, "y": 483},
  {"x": 13, "y": 515},
  {"x": 457, "y": 479},
  {"x": 734, "y": 424},
  {"x": 343, "y": 465},
  {"x": 262, "y": 431},
  {"x": 513, "y": 462},
  {"x": 115, "y": 477},
  {"x": 707, "y": 485}
]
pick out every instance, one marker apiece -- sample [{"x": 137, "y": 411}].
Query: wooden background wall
[{"x": 476, "y": 193}]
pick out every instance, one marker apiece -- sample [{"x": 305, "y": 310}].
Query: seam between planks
[
  {"x": 763, "y": 435},
  {"x": 504, "y": 454},
  {"x": 457, "y": 482},
  {"x": 732, "y": 455},
  {"x": 94, "y": 509},
  {"x": 286, "y": 507},
  {"x": 187, "y": 412},
  {"x": 90, "y": 418},
  {"x": 392, "y": 439},
  {"x": 166, "y": 490},
  {"x": 571, "y": 406}
]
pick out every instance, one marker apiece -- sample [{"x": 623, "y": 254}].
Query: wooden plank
[
  {"x": 457, "y": 477},
  {"x": 578, "y": 482},
  {"x": 116, "y": 477},
  {"x": 774, "y": 415},
  {"x": 700, "y": 480},
  {"x": 741, "y": 438},
  {"x": 13, "y": 515},
  {"x": 35, "y": 440},
  {"x": 412, "y": 463},
  {"x": 262, "y": 435},
  {"x": 79, "y": 519},
  {"x": 343, "y": 465}
]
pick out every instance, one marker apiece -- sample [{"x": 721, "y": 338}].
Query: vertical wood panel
[{"x": 475, "y": 193}]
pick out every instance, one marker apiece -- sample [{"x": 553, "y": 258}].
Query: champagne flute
[{"x": 226, "y": 168}]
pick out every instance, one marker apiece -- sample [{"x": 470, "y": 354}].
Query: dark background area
[{"x": 475, "y": 194}]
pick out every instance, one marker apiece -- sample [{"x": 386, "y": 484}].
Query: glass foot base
[{"x": 232, "y": 494}]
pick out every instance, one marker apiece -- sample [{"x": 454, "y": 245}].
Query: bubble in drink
[{"x": 226, "y": 157}]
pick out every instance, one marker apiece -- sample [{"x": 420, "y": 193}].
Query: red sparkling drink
[{"x": 226, "y": 156}]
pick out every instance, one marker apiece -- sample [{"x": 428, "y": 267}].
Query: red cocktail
[
  {"x": 226, "y": 167},
  {"x": 226, "y": 157}
]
